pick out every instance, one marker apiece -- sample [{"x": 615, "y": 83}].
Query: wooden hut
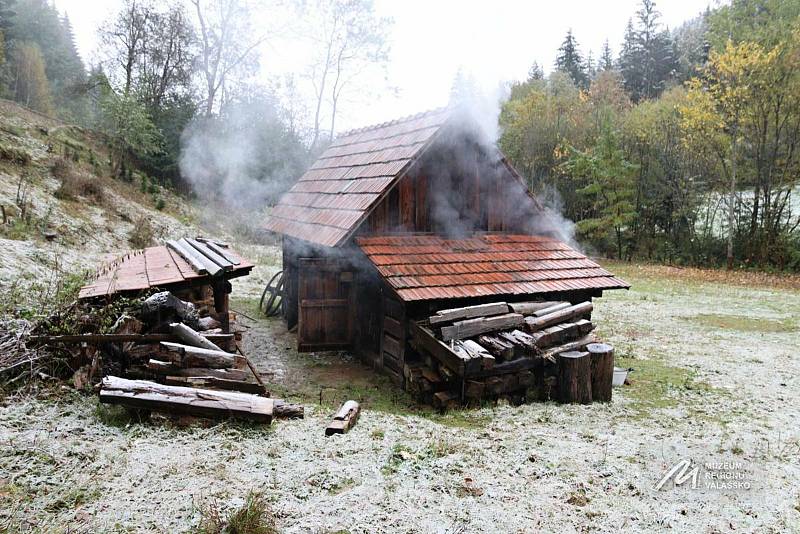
[{"x": 401, "y": 219}]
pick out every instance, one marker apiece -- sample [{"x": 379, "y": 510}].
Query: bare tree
[
  {"x": 348, "y": 38},
  {"x": 167, "y": 55},
  {"x": 123, "y": 38},
  {"x": 227, "y": 43}
]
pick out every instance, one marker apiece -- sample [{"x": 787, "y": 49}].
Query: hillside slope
[{"x": 62, "y": 210}]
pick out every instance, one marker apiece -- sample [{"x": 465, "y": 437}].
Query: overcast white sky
[{"x": 495, "y": 40}]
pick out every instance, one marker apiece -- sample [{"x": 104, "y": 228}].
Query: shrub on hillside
[
  {"x": 144, "y": 233},
  {"x": 14, "y": 155},
  {"x": 75, "y": 185}
]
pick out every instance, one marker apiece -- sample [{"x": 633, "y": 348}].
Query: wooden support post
[
  {"x": 221, "y": 289},
  {"x": 602, "y": 356},
  {"x": 574, "y": 377}
]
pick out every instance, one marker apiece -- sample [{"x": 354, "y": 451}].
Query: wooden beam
[
  {"x": 481, "y": 310},
  {"x": 529, "y": 308},
  {"x": 481, "y": 325},
  {"x": 190, "y": 337},
  {"x": 566, "y": 314},
  {"x": 148, "y": 395},
  {"x": 121, "y": 338},
  {"x": 424, "y": 340},
  {"x": 188, "y": 356}
]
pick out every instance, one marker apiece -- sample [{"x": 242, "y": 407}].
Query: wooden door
[{"x": 325, "y": 305}]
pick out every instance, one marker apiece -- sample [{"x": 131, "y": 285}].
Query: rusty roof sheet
[
  {"x": 330, "y": 200},
  {"x": 153, "y": 267},
  {"x": 429, "y": 267}
]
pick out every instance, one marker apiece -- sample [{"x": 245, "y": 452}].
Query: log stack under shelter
[
  {"x": 525, "y": 351},
  {"x": 176, "y": 349}
]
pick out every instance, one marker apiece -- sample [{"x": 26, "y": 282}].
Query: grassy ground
[{"x": 716, "y": 378}]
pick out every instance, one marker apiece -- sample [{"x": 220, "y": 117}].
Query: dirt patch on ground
[{"x": 703, "y": 391}]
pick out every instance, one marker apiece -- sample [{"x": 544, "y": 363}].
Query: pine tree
[
  {"x": 589, "y": 66},
  {"x": 569, "y": 61},
  {"x": 39, "y": 22},
  {"x": 536, "y": 72},
  {"x": 647, "y": 59},
  {"x": 606, "y": 59}
]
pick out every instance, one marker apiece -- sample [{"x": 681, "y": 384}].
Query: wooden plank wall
[
  {"x": 393, "y": 340},
  {"x": 290, "y": 277},
  {"x": 487, "y": 198}
]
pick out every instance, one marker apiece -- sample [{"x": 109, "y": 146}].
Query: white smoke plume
[{"x": 243, "y": 159}]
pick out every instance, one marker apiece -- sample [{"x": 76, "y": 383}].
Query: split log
[
  {"x": 561, "y": 333},
  {"x": 529, "y": 308},
  {"x": 580, "y": 344},
  {"x": 190, "y": 337},
  {"x": 556, "y": 306},
  {"x": 165, "y": 306},
  {"x": 475, "y": 350},
  {"x": 224, "y": 374},
  {"x": 525, "y": 344},
  {"x": 602, "y": 356},
  {"x": 444, "y": 400},
  {"x": 456, "y": 314},
  {"x": 208, "y": 323},
  {"x": 188, "y": 356},
  {"x": 344, "y": 419},
  {"x": 184, "y": 400},
  {"x": 574, "y": 377},
  {"x": 287, "y": 410},
  {"x": 481, "y": 325},
  {"x": 210, "y": 254},
  {"x": 501, "y": 349},
  {"x": 216, "y": 383},
  {"x": 567, "y": 314}
]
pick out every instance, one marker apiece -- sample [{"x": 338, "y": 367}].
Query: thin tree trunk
[{"x": 732, "y": 200}]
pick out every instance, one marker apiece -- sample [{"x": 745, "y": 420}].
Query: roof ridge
[{"x": 393, "y": 122}]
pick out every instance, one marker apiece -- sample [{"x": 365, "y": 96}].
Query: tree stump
[
  {"x": 602, "y": 356},
  {"x": 574, "y": 377}
]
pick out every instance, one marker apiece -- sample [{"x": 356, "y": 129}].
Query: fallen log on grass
[
  {"x": 148, "y": 395},
  {"x": 344, "y": 419}
]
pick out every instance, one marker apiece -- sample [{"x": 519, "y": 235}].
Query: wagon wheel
[{"x": 272, "y": 306}]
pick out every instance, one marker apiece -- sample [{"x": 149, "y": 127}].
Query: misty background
[{"x": 665, "y": 131}]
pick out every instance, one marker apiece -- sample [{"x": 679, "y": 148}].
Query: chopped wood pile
[
  {"x": 524, "y": 351},
  {"x": 162, "y": 356}
]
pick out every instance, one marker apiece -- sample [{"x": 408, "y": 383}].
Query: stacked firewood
[
  {"x": 497, "y": 349},
  {"x": 165, "y": 357}
]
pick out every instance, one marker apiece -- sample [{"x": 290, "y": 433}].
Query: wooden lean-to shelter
[
  {"x": 397, "y": 221},
  {"x": 195, "y": 270}
]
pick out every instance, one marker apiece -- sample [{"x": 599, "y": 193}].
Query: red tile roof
[
  {"x": 152, "y": 267},
  {"x": 427, "y": 267},
  {"x": 330, "y": 200}
]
